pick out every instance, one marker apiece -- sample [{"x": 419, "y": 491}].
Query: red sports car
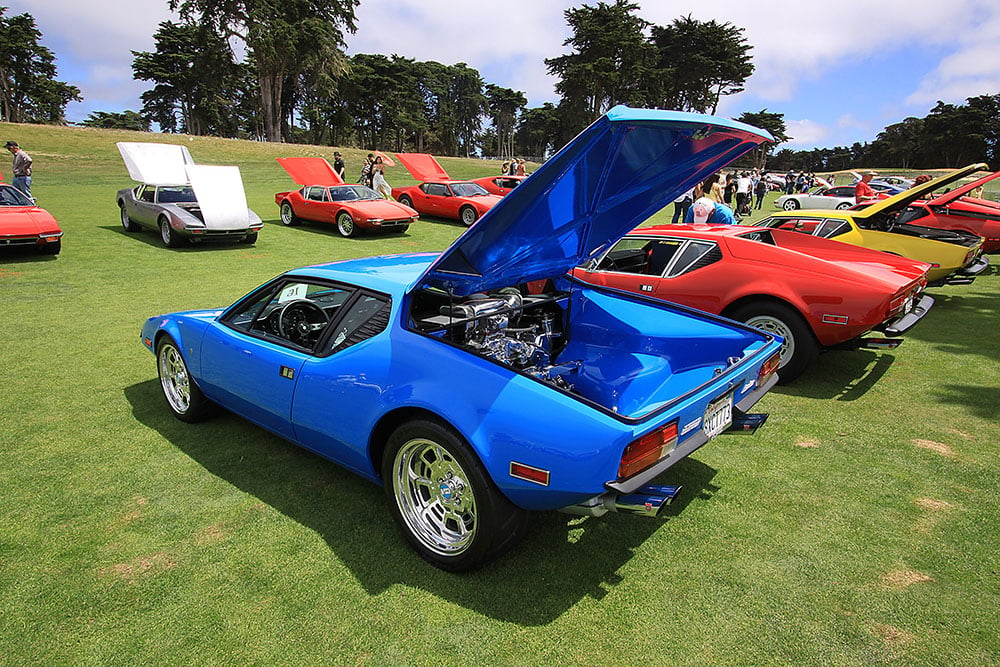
[
  {"x": 813, "y": 292},
  {"x": 499, "y": 185},
  {"x": 324, "y": 197},
  {"x": 24, "y": 224},
  {"x": 440, "y": 196},
  {"x": 955, "y": 209}
]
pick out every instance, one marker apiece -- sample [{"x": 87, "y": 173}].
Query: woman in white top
[{"x": 379, "y": 184}]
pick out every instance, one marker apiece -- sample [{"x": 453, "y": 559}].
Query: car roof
[{"x": 390, "y": 274}]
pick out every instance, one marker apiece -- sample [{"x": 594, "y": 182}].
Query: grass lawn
[{"x": 859, "y": 526}]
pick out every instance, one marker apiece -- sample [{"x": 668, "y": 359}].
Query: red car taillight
[
  {"x": 647, "y": 450},
  {"x": 768, "y": 369}
]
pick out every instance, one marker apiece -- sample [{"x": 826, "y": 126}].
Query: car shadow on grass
[
  {"x": 562, "y": 559},
  {"x": 842, "y": 375},
  {"x": 23, "y": 254},
  {"x": 152, "y": 238},
  {"x": 962, "y": 323},
  {"x": 329, "y": 229}
]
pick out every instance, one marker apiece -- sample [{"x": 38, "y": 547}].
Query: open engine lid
[
  {"x": 962, "y": 190},
  {"x": 910, "y": 195},
  {"x": 156, "y": 164},
  {"x": 423, "y": 167},
  {"x": 626, "y": 166},
  {"x": 221, "y": 196},
  {"x": 310, "y": 171}
]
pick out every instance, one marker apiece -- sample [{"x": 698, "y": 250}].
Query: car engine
[{"x": 522, "y": 332}]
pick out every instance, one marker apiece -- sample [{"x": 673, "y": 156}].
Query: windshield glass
[
  {"x": 468, "y": 189},
  {"x": 352, "y": 193},
  {"x": 176, "y": 194},
  {"x": 11, "y": 196}
]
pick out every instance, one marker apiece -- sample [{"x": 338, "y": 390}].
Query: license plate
[{"x": 718, "y": 416}]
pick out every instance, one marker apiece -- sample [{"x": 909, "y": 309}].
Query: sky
[{"x": 838, "y": 72}]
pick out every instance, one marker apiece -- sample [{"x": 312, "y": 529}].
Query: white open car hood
[
  {"x": 156, "y": 164},
  {"x": 221, "y": 195}
]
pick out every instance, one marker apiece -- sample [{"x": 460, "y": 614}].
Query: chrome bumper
[{"x": 901, "y": 325}]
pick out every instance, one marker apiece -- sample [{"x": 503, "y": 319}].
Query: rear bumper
[
  {"x": 689, "y": 445},
  {"x": 901, "y": 325}
]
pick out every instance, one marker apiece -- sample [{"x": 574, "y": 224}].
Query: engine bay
[{"x": 523, "y": 331}]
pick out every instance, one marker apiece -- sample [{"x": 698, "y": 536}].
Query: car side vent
[{"x": 710, "y": 257}]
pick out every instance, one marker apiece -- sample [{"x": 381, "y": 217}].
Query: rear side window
[
  {"x": 695, "y": 255},
  {"x": 831, "y": 228},
  {"x": 367, "y": 316}
]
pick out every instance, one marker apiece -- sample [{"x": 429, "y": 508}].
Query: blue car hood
[{"x": 626, "y": 166}]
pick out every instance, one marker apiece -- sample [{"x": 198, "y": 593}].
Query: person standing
[
  {"x": 744, "y": 193},
  {"x": 863, "y": 191},
  {"x": 21, "y": 168},
  {"x": 681, "y": 206},
  {"x": 760, "y": 190},
  {"x": 338, "y": 165},
  {"x": 379, "y": 184},
  {"x": 366, "y": 171}
]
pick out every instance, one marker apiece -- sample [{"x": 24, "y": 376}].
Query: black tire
[
  {"x": 250, "y": 238},
  {"x": 468, "y": 215},
  {"x": 167, "y": 234},
  {"x": 474, "y": 522},
  {"x": 51, "y": 248},
  {"x": 127, "y": 223},
  {"x": 288, "y": 217},
  {"x": 183, "y": 396},
  {"x": 345, "y": 225},
  {"x": 843, "y": 206},
  {"x": 800, "y": 348},
  {"x": 790, "y": 205},
  {"x": 406, "y": 201}
]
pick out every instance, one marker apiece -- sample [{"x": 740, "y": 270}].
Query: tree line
[
  {"x": 951, "y": 135},
  {"x": 295, "y": 83}
]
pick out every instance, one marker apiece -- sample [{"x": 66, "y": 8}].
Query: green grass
[{"x": 859, "y": 526}]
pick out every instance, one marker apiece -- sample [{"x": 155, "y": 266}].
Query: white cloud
[
  {"x": 973, "y": 69},
  {"x": 795, "y": 44},
  {"x": 804, "y": 133}
]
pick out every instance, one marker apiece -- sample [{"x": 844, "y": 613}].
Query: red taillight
[
  {"x": 647, "y": 450},
  {"x": 768, "y": 369}
]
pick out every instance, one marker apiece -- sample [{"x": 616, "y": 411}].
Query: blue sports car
[{"x": 471, "y": 398}]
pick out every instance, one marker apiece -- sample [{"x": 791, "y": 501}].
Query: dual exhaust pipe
[{"x": 648, "y": 500}]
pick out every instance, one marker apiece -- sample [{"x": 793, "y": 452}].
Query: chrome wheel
[
  {"x": 345, "y": 224},
  {"x": 775, "y": 326},
  {"x": 790, "y": 205},
  {"x": 287, "y": 214},
  {"x": 469, "y": 215},
  {"x": 434, "y": 496},
  {"x": 174, "y": 378}
]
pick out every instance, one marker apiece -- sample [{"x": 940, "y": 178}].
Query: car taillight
[
  {"x": 768, "y": 369},
  {"x": 647, "y": 450}
]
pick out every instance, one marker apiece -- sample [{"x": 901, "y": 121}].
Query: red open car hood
[
  {"x": 310, "y": 170},
  {"x": 423, "y": 167},
  {"x": 961, "y": 190}
]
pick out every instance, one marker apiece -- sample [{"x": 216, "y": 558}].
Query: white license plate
[{"x": 718, "y": 416}]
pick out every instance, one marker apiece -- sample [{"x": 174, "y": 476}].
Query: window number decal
[{"x": 296, "y": 291}]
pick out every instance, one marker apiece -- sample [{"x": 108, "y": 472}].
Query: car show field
[{"x": 858, "y": 526}]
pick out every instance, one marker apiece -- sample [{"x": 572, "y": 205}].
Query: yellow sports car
[{"x": 955, "y": 257}]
